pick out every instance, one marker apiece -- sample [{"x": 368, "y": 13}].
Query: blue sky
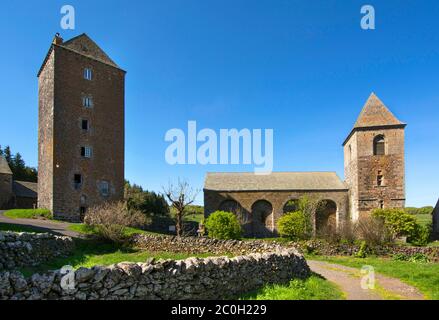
[{"x": 302, "y": 68}]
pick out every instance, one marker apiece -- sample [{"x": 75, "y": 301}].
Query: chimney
[{"x": 57, "y": 39}]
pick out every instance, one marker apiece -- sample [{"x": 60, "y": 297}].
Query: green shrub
[
  {"x": 292, "y": 225},
  {"x": 397, "y": 221},
  {"x": 417, "y": 257},
  {"x": 420, "y": 236},
  {"x": 362, "y": 252},
  {"x": 223, "y": 225}
]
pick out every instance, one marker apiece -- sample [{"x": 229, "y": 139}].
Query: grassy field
[
  {"x": 313, "y": 288},
  {"x": 424, "y": 276},
  {"x": 28, "y": 214},
  {"x": 424, "y": 219}
]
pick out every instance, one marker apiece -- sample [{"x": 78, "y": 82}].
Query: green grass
[
  {"x": 424, "y": 276},
  {"x": 313, "y": 288},
  {"x": 28, "y": 214},
  {"x": 89, "y": 253},
  {"x": 89, "y": 230},
  {"x": 18, "y": 228},
  {"x": 424, "y": 219},
  {"x": 197, "y": 217}
]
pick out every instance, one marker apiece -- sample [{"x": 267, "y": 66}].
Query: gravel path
[
  {"x": 59, "y": 228},
  {"x": 349, "y": 281}
]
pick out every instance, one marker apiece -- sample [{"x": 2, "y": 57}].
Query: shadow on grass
[{"x": 84, "y": 249}]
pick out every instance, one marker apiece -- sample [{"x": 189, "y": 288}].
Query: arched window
[{"x": 379, "y": 146}]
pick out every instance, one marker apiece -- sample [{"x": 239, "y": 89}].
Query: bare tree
[{"x": 179, "y": 197}]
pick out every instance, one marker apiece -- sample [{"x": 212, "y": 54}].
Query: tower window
[
  {"x": 86, "y": 152},
  {"x": 88, "y": 74},
  {"x": 380, "y": 178},
  {"x": 87, "y": 101},
  {"x": 104, "y": 188},
  {"x": 381, "y": 204},
  {"x": 77, "y": 180},
  {"x": 84, "y": 124},
  {"x": 379, "y": 146}
]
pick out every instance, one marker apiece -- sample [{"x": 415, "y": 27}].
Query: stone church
[
  {"x": 80, "y": 128},
  {"x": 373, "y": 170}
]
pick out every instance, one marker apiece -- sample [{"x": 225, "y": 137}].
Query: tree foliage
[
  {"x": 18, "y": 166},
  {"x": 148, "y": 202}
]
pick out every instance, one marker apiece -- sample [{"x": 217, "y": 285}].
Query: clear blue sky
[{"x": 302, "y": 68}]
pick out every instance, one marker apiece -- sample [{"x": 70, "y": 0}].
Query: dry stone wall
[
  {"x": 31, "y": 249},
  {"x": 192, "y": 278}
]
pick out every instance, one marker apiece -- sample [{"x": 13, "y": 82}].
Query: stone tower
[
  {"x": 374, "y": 160},
  {"x": 81, "y": 128}
]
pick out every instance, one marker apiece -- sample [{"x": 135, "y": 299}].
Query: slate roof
[
  {"x": 25, "y": 189},
  {"x": 4, "y": 167},
  {"x": 375, "y": 114},
  {"x": 291, "y": 181},
  {"x": 84, "y": 46}
]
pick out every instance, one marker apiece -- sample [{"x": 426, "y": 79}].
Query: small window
[
  {"x": 84, "y": 124},
  {"x": 380, "y": 178},
  {"x": 381, "y": 204},
  {"x": 86, "y": 152},
  {"x": 88, "y": 74},
  {"x": 83, "y": 200},
  {"x": 87, "y": 101},
  {"x": 77, "y": 180},
  {"x": 104, "y": 188},
  {"x": 379, "y": 146}
]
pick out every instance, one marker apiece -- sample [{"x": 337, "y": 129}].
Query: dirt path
[
  {"x": 59, "y": 228},
  {"x": 349, "y": 281}
]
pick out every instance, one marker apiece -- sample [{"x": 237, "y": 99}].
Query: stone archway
[
  {"x": 262, "y": 218},
  {"x": 233, "y": 206},
  {"x": 326, "y": 217},
  {"x": 291, "y": 205}
]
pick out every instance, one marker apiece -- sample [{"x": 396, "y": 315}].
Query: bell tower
[{"x": 374, "y": 160}]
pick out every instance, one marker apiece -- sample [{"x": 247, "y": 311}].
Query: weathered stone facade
[
  {"x": 266, "y": 226},
  {"x": 5, "y": 183},
  {"x": 374, "y": 178},
  {"x": 13, "y": 193},
  {"x": 31, "y": 249},
  {"x": 81, "y": 128}
]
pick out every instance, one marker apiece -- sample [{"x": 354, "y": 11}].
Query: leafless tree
[{"x": 179, "y": 197}]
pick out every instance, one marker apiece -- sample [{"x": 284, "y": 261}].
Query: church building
[{"x": 374, "y": 178}]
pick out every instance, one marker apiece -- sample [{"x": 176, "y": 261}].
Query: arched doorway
[
  {"x": 230, "y": 205},
  {"x": 262, "y": 218},
  {"x": 291, "y": 205},
  {"x": 326, "y": 217}
]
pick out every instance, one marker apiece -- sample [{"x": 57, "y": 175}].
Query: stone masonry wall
[
  {"x": 189, "y": 279},
  {"x": 31, "y": 249}
]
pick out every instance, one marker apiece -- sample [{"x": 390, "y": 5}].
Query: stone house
[
  {"x": 15, "y": 194},
  {"x": 374, "y": 178},
  {"x": 80, "y": 128}
]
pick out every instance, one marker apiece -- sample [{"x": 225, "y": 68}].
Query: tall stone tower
[
  {"x": 374, "y": 160},
  {"x": 81, "y": 128}
]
